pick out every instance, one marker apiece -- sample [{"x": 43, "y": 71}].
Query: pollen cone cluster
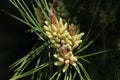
[
  {"x": 64, "y": 39},
  {"x": 65, "y": 59}
]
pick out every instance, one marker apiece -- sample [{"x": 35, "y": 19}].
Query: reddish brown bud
[{"x": 53, "y": 19}]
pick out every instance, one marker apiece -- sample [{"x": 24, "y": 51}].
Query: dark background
[{"x": 14, "y": 40}]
